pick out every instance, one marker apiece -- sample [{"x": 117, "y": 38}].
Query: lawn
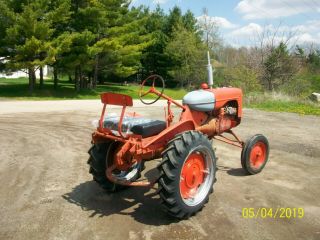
[
  {"x": 284, "y": 106},
  {"x": 18, "y": 89},
  {"x": 279, "y": 102}
]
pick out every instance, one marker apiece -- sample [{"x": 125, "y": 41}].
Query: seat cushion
[
  {"x": 136, "y": 125},
  {"x": 149, "y": 129}
]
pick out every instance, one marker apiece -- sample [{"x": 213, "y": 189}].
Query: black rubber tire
[
  {"x": 173, "y": 158},
  {"x": 97, "y": 161},
  {"x": 245, "y": 154}
]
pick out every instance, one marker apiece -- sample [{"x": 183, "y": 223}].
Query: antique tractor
[{"x": 187, "y": 172}]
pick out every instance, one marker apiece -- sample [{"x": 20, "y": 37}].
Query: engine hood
[{"x": 200, "y": 100}]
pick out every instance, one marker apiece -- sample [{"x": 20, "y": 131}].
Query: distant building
[{"x": 19, "y": 73}]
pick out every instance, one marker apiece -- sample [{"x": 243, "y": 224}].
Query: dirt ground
[{"x": 46, "y": 191}]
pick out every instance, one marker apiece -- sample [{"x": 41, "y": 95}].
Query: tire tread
[{"x": 176, "y": 151}]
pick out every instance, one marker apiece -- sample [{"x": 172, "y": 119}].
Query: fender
[{"x": 165, "y": 136}]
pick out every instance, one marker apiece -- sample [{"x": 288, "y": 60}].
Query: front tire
[
  {"x": 255, "y": 154},
  {"x": 188, "y": 171}
]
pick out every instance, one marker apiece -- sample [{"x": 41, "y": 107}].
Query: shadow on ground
[
  {"x": 238, "y": 172},
  {"x": 140, "y": 203}
]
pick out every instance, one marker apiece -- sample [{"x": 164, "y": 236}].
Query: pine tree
[{"x": 29, "y": 27}]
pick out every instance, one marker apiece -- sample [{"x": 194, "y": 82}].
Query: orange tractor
[{"x": 187, "y": 172}]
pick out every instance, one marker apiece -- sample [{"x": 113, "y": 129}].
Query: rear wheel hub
[{"x": 192, "y": 175}]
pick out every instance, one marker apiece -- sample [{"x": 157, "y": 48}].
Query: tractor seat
[
  {"x": 136, "y": 125},
  {"x": 149, "y": 129}
]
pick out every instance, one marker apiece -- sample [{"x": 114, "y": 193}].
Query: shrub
[{"x": 242, "y": 77}]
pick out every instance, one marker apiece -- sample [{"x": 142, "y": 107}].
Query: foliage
[
  {"x": 74, "y": 36},
  {"x": 279, "y": 67},
  {"x": 186, "y": 53},
  {"x": 159, "y": 57},
  {"x": 93, "y": 41},
  {"x": 314, "y": 60},
  {"x": 154, "y": 59},
  {"x": 242, "y": 77},
  {"x": 29, "y": 27},
  {"x": 299, "y": 86}
]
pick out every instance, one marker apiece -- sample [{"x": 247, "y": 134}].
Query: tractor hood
[{"x": 200, "y": 100}]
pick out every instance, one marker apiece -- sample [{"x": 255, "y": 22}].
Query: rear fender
[{"x": 165, "y": 136}]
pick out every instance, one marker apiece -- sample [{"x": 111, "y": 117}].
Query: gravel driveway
[{"x": 46, "y": 191}]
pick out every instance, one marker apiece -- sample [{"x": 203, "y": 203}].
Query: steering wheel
[{"x": 153, "y": 79}]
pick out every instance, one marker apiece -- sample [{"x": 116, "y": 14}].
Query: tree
[
  {"x": 210, "y": 31},
  {"x": 313, "y": 60},
  {"x": 242, "y": 77},
  {"x": 80, "y": 36},
  {"x": 74, "y": 55},
  {"x": 187, "y": 53},
  {"x": 190, "y": 22},
  {"x": 174, "y": 19},
  {"x": 28, "y": 38},
  {"x": 112, "y": 38},
  {"x": 6, "y": 20},
  {"x": 154, "y": 58},
  {"x": 279, "y": 67},
  {"x": 60, "y": 13},
  {"x": 162, "y": 27},
  {"x": 30, "y": 26}
]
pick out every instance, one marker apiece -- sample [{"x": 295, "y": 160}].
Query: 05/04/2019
[{"x": 279, "y": 212}]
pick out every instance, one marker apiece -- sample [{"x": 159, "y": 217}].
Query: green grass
[
  {"x": 277, "y": 102},
  {"x": 293, "y": 107},
  {"x": 18, "y": 89}
]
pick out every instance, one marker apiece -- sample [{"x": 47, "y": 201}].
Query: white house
[{"x": 20, "y": 73}]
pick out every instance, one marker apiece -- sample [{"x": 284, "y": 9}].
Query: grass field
[
  {"x": 17, "y": 89},
  {"x": 278, "y": 102}
]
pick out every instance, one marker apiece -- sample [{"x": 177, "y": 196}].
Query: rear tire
[
  {"x": 187, "y": 170},
  {"x": 100, "y": 155},
  {"x": 255, "y": 154}
]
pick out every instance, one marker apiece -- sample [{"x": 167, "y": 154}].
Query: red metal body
[
  {"x": 135, "y": 148},
  {"x": 228, "y": 95}
]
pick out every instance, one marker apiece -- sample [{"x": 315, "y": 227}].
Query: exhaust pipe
[{"x": 210, "y": 72}]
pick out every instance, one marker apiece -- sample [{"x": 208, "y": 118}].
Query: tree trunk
[
  {"x": 34, "y": 78},
  {"x": 270, "y": 87},
  {"x": 81, "y": 78},
  {"x": 70, "y": 78},
  {"x": 96, "y": 70},
  {"x": 77, "y": 79},
  {"x": 55, "y": 77},
  {"x": 31, "y": 79},
  {"x": 90, "y": 83},
  {"x": 41, "y": 77}
]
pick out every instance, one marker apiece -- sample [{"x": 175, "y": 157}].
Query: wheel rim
[
  {"x": 130, "y": 175},
  {"x": 258, "y": 155},
  {"x": 196, "y": 177}
]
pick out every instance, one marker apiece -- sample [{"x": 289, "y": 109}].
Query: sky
[{"x": 242, "y": 22}]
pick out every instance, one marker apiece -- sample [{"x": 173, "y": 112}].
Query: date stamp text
[{"x": 279, "y": 212}]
